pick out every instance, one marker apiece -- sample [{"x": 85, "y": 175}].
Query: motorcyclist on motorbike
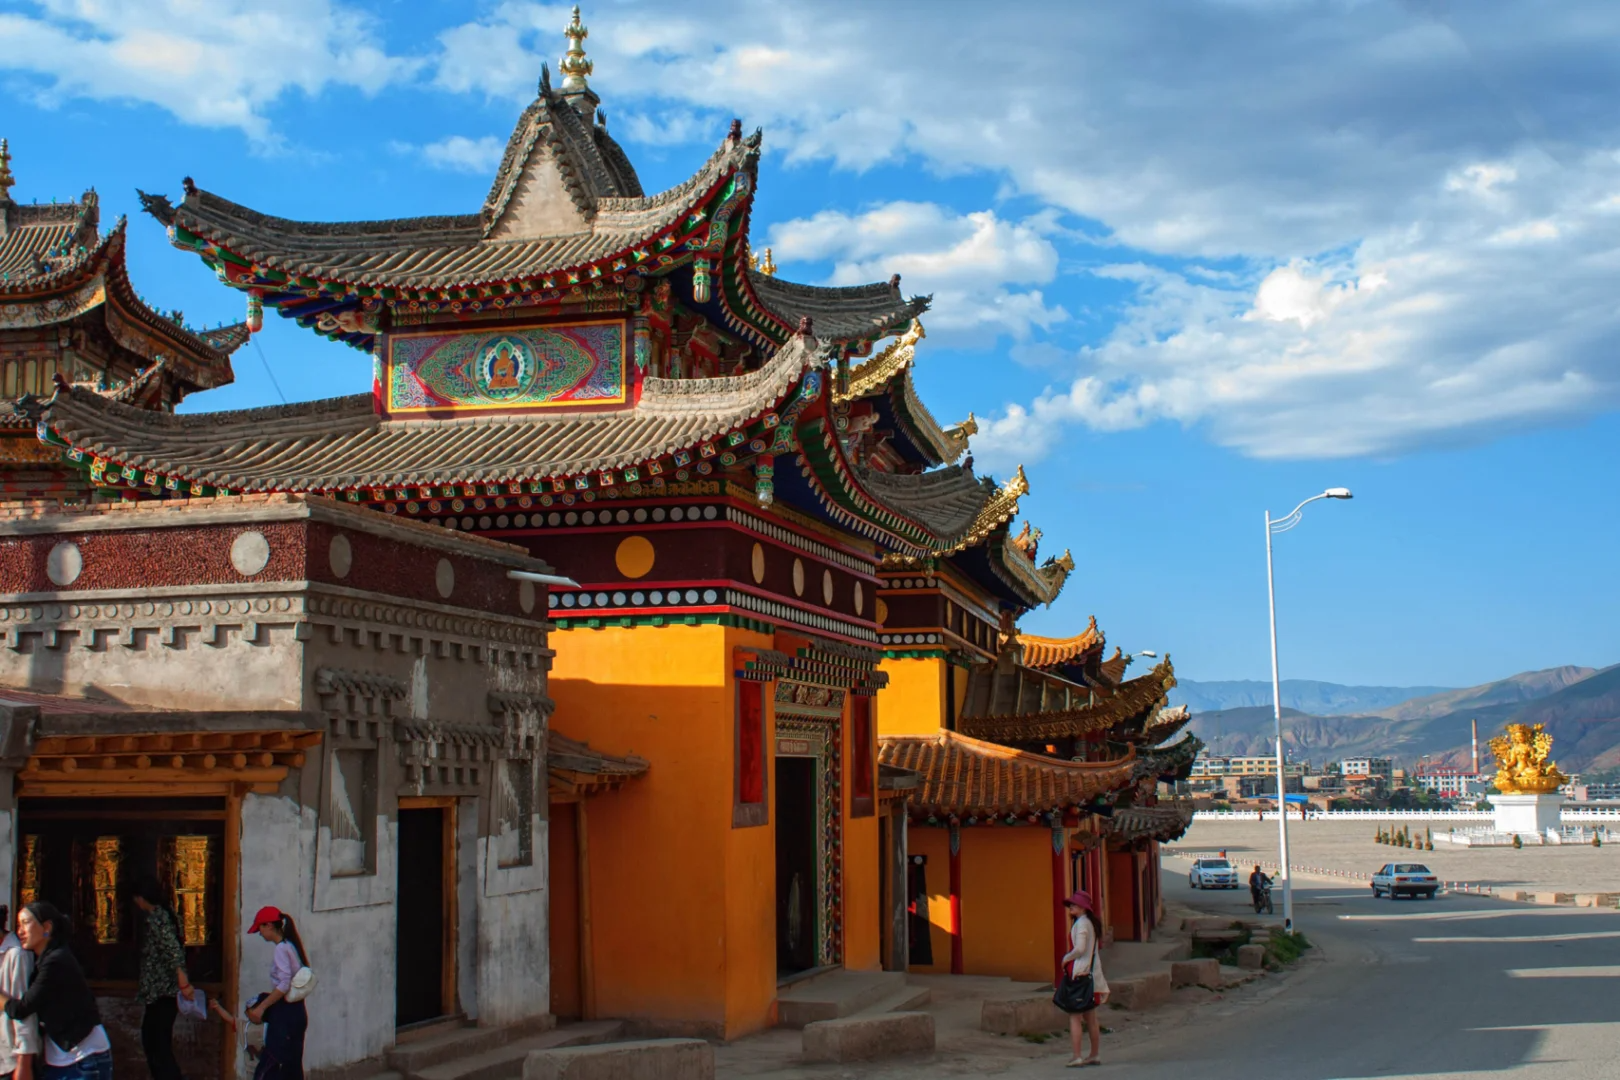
[{"x": 1258, "y": 883}]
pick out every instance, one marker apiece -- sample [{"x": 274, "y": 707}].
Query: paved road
[{"x": 1453, "y": 987}]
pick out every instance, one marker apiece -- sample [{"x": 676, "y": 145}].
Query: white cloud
[
  {"x": 967, "y": 261},
  {"x": 1420, "y": 336},
  {"x": 458, "y": 153},
  {"x": 215, "y": 64}
]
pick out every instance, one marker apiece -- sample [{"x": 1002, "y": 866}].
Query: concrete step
[
  {"x": 835, "y": 995},
  {"x": 867, "y": 1037},
  {"x": 504, "y": 1060}
]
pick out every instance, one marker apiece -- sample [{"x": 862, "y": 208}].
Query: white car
[
  {"x": 1408, "y": 878},
  {"x": 1212, "y": 874}
]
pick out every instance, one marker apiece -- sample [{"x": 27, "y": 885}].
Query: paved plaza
[{"x": 1350, "y": 845}]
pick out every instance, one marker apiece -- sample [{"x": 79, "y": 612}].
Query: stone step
[
  {"x": 654, "y": 1059},
  {"x": 905, "y": 999},
  {"x": 505, "y": 1061},
  {"x": 835, "y": 995},
  {"x": 866, "y": 1037}
]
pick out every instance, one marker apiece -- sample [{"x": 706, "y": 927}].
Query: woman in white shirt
[
  {"x": 1080, "y": 960},
  {"x": 285, "y": 1022}
]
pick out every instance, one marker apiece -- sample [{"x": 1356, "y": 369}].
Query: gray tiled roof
[
  {"x": 839, "y": 313},
  {"x": 340, "y": 443},
  {"x": 41, "y": 242},
  {"x": 947, "y": 501}
]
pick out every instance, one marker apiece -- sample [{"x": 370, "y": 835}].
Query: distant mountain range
[{"x": 1326, "y": 721}]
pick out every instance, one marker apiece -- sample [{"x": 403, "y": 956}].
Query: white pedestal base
[{"x": 1531, "y": 814}]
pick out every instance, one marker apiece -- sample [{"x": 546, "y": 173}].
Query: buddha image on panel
[{"x": 504, "y": 368}]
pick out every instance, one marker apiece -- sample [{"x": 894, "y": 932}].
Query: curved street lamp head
[
  {"x": 1148, "y": 653},
  {"x": 1338, "y": 493}
]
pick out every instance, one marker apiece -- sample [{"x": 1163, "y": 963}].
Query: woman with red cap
[
  {"x": 1084, "y": 987},
  {"x": 284, "y": 1021}
]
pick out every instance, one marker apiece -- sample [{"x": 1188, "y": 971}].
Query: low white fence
[{"x": 1569, "y": 813}]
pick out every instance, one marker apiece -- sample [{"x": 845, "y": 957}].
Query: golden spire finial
[
  {"x": 574, "y": 65},
  {"x": 766, "y": 265},
  {"x": 6, "y": 179}
]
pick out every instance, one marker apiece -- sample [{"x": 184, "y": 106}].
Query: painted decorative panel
[{"x": 557, "y": 365}]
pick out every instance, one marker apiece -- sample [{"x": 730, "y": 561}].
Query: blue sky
[{"x": 1190, "y": 260}]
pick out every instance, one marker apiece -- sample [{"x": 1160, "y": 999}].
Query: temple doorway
[
  {"x": 425, "y": 927},
  {"x": 86, "y": 854},
  {"x": 796, "y": 900}
]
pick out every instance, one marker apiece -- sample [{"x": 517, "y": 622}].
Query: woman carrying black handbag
[{"x": 1083, "y": 987}]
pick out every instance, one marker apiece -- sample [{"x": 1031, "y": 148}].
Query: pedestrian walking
[
  {"x": 163, "y": 979},
  {"x": 285, "y": 1021},
  {"x": 74, "y": 1044},
  {"x": 1083, "y": 987},
  {"x": 19, "y": 1039}
]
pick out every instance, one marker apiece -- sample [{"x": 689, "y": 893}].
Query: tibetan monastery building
[
  {"x": 735, "y": 486},
  {"x": 68, "y": 311}
]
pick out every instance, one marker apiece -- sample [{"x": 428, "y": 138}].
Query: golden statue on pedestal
[{"x": 1522, "y": 766}]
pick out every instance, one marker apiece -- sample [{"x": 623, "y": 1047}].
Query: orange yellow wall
[
  {"x": 1007, "y": 903},
  {"x": 913, "y": 703},
  {"x": 750, "y": 943},
  {"x": 660, "y": 846},
  {"x": 935, "y": 843},
  {"x": 684, "y": 904}
]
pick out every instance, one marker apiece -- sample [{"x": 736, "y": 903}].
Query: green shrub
[
  {"x": 1597, "y": 838},
  {"x": 1517, "y": 842}
]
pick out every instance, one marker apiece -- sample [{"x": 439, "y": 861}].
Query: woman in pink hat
[
  {"x": 1083, "y": 987},
  {"x": 282, "y": 1013}
]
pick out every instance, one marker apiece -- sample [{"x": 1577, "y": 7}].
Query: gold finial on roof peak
[
  {"x": 574, "y": 65},
  {"x": 6, "y": 179},
  {"x": 765, "y": 265}
]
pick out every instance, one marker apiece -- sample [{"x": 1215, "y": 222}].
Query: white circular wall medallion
[
  {"x": 798, "y": 578},
  {"x": 445, "y": 578},
  {"x": 250, "y": 553},
  {"x": 526, "y": 597},
  {"x": 826, "y": 587},
  {"x": 340, "y": 555},
  {"x": 64, "y": 564}
]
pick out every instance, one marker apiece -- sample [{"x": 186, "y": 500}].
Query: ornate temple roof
[
  {"x": 951, "y": 501},
  {"x": 1164, "y": 822},
  {"x": 961, "y": 776},
  {"x": 342, "y": 444},
  {"x": 1113, "y": 668},
  {"x": 1172, "y": 762},
  {"x": 1001, "y": 706},
  {"x": 55, "y": 265},
  {"x": 1050, "y": 652},
  {"x": 565, "y": 218}
]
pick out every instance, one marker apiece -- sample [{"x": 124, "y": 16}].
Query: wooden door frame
[{"x": 450, "y": 944}]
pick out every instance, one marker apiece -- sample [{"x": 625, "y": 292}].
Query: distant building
[
  {"x": 1447, "y": 781},
  {"x": 1589, "y": 792},
  {"x": 1366, "y": 768}
]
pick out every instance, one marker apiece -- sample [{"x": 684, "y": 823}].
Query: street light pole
[
  {"x": 1276, "y": 709},
  {"x": 1282, "y": 525}
]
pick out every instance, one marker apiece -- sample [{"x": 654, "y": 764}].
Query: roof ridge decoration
[
  {"x": 6, "y": 179},
  {"x": 575, "y": 66},
  {"x": 875, "y": 374}
]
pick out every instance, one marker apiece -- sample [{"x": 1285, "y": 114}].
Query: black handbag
[{"x": 1076, "y": 995}]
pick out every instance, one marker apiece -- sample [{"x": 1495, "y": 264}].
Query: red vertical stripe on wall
[{"x": 750, "y": 742}]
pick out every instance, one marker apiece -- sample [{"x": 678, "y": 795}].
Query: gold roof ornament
[
  {"x": 6, "y": 179},
  {"x": 765, "y": 265},
  {"x": 1523, "y": 766},
  {"x": 574, "y": 64}
]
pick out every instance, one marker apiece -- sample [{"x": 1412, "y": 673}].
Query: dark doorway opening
[
  {"x": 920, "y": 936},
  {"x": 795, "y": 864},
  {"x": 423, "y": 989}
]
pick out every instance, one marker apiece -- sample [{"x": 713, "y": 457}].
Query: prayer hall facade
[{"x": 771, "y": 678}]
